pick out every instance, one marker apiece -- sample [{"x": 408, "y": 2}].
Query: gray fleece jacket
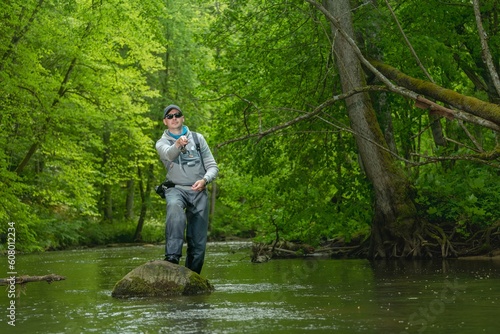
[{"x": 186, "y": 168}]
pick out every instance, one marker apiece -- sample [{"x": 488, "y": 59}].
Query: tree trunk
[
  {"x": 48, "y": 120},
  {"x": 129, "y": 202},
  {"x": 107, "y": 200},
  {"x": 492, "y": 73},
  {"x": 145, "y": 187},
  {"x": 395, "y": 223}
]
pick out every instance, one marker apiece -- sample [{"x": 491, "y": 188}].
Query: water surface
[{"x": 281, "y": 296}]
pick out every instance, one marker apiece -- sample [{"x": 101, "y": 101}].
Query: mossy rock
[{"x": 160, "y": 279}]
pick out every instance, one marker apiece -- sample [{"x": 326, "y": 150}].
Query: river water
[{"x": 311, "y": 295}]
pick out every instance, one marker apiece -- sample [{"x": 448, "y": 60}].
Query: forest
[{"x": 369, "y": 126}]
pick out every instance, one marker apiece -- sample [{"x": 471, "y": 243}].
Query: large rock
[{"x": 161, "y": 278}]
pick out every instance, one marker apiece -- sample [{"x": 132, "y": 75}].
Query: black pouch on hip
[{"x": 160, "y": 190}]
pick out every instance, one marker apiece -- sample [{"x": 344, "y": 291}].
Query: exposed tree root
[{"x": 433, "y": 242}]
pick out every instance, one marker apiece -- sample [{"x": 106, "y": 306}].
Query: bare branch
[
  {"x": 471, "y": 137},
  {"x": 462, "y": 145},
  {"x": 305, "y": 116},
  {"x": 480, "y": 158}
]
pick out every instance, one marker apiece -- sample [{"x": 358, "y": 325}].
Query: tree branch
[
  {"x": 485, "y": 158},
  {"x": 474, "y": 110},
  {"x": 313, "y": 113},
  {"x": 484, "y": 47}
]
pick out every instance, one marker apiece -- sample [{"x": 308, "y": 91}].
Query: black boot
[{"x": 172, "y": 259}]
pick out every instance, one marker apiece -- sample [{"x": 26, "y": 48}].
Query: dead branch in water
[{"x": 27, "y": 279}]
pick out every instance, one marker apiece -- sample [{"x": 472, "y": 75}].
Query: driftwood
[{"x": 27, "y": 279}]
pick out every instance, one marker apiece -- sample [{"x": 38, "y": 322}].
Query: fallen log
[{"x": 27, "y": 279}]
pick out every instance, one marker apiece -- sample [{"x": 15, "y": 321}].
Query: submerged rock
[{"x": 161, "y": 278}]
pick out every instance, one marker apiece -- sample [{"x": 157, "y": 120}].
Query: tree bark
[
  {"x": 395, "y": 218},
  {"x": 145, "y": 187},
  {"x": 107, "y": 199},
  {"x": 129, "y": 201}
]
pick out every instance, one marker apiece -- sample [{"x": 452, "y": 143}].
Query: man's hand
[
  {"x": 199, "y": 185},
  {"x": 181, "y": 142}
]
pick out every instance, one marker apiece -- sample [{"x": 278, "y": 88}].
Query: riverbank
[{"x": 339, "y": 249}]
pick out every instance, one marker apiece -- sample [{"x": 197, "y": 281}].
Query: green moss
[
  {"x": 469, "y": 104},
  {"x": 197, "y": 285},
  {"x": 138, "y": 287}
]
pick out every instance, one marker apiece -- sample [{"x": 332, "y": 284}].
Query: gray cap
[{"x": 170, "y": 107}]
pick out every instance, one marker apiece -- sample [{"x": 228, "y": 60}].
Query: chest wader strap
[{"x": 197, "y": 143}]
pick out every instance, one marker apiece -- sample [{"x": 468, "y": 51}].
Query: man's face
[{"x": 174, "y": 119}]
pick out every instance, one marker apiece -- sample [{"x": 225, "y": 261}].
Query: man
[{"x": 188, "y": 172}]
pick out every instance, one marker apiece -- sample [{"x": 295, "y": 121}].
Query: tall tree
[{"x": 395, "y": 225}]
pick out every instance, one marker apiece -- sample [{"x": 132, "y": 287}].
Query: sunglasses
[{"x": 170, "y": 116}]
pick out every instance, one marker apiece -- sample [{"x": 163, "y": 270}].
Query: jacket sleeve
[{"x": 166, "y": 150}]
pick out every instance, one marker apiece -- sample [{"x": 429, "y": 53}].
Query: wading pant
[{"x": 186, "y": 208}]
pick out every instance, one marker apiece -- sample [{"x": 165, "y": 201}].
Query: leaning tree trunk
[{"x": 395, "y": 225}]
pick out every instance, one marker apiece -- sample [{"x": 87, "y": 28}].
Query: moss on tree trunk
[{"x": 469, "y": 104}]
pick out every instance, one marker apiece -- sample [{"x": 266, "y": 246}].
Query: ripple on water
[{"x": 262, "y": 287}]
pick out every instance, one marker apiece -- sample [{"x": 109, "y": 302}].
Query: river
[{"x": 313, "y": 295}]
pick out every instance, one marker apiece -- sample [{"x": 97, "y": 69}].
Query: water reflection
[{"x": 431, "y": 296}]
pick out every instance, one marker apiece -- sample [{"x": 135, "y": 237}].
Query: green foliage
[
  {"x": 74, "y": 119},
  {"x": 16, "y": 214},
  {"x": 56, "y": 234},
  {"x": 289, "y": 199},
  {"x": 467, "y": 196},
  {"x": 154, "y": 230}
]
